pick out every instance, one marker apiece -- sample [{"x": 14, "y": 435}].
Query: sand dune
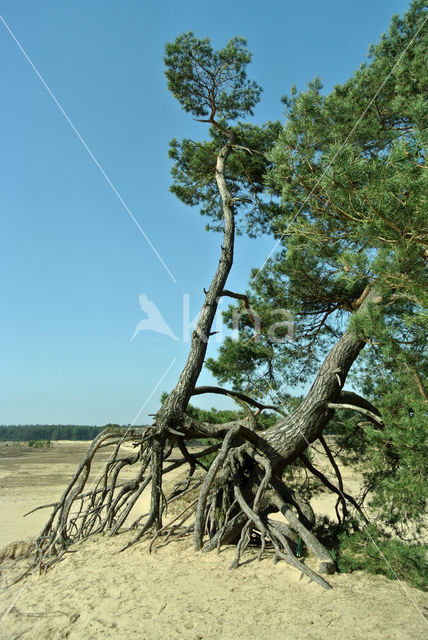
[{"x": 172, "y": 593}]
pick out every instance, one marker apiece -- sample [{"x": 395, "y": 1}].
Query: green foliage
[
  {"x": 378, "y": 554},
  {"x": 396, "y": 464},
  {"x": 194, "y": 180},
  {"x": 368, "y": 548},
  {"x": 206, "y": 82},
  {"x": 39, "y": 444},
  {"x": 213, "y": 86},
  {"x": 218, "y": 416},
  {"x": 349, "y": 169}
]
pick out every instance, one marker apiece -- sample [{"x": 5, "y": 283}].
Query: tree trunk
[
  {"x": 179, "y": 397},
  {"x": 291, "y": 436}
]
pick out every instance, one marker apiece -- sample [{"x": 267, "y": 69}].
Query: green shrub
[
  {"x": 380, "y": 554},
  {"x": 356, "y": 547},
  {"x": 38, "y": 444}
]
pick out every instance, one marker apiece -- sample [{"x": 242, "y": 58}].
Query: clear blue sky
[{"x": 72, "y": 262}]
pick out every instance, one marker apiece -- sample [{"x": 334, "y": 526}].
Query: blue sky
[{"x": 72, "y": 261}]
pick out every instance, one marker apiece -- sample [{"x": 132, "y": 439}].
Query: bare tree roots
[{"x": 228, "y": 502}]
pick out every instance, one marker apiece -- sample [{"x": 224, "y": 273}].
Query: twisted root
[{"x": 229, "y": 502}]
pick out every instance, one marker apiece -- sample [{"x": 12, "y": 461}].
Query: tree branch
[
  {"x": 244, "y": 298},
  {"x": 234, "y": 394},
  {"x": 368, "y": 414},
  {"x": 179, "y": 397},
  {"x": 338, "y": 476},
  {"x": 350, "y": 397},
  {"x": 316, "y": 472},
  {"x": 356, "y": 304}
]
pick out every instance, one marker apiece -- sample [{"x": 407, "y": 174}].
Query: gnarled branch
[
  {"x": 351, "y": 407},
  {"x": 234, "y": 394},
  {"x": 316, "y": 472}
]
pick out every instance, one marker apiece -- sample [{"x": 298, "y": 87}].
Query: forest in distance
[
  {"x": 25, "y": 432},
  {"x": 44, "y": 432}
]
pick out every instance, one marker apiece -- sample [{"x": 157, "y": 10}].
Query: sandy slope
[{"x": 175, "y": 593}]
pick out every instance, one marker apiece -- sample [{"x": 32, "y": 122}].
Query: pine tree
[
  {"x": 350, "y": 169},
  {"x": 341, "y": 187}
]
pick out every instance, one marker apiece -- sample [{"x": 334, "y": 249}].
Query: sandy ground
[{"x": 173, "y": 592}]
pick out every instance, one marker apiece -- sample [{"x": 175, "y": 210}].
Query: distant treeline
[{"x": 23, "y": 433}]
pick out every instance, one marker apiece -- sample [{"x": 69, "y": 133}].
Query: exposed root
[
  {"x": 227, "y": 503},
  {"x": 339, "y": 491}
]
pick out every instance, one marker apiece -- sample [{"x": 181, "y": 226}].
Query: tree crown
[{"x": 211, "y": 84}]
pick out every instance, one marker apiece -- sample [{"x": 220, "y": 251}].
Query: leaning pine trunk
[
  {"x": 179, "y": 397},
  {"x": 291, "y": 436}
]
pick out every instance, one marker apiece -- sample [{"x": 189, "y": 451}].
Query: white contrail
[{"x": 115, "y": 191}]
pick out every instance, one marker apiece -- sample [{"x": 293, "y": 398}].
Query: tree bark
[
  {"x": 179, "y": 397},
  {"x": 291, "y": 436}
]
